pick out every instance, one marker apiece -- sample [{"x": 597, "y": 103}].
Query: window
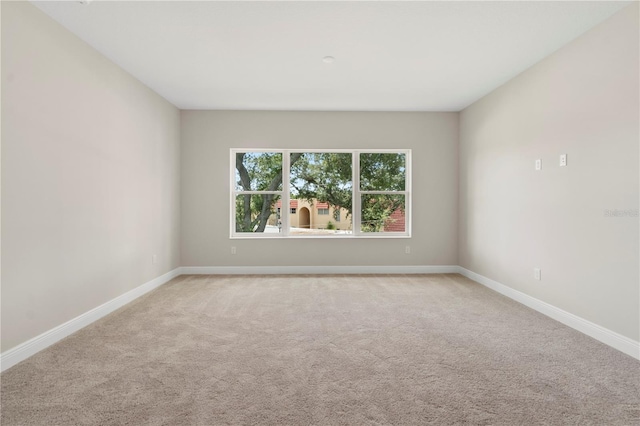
[
  {"x": 383, "y": 192},
  {"x": 355, "y": 193},
  {"x": 257, "y": 187}
]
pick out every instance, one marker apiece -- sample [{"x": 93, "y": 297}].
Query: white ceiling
[{"x": 390, "y": 56}]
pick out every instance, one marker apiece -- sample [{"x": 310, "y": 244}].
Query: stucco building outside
[{"x": 315, "y": 215}]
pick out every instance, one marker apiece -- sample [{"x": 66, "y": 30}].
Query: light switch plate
[
  {"x": 537, "y": 274},
  {"x": 563, "y": 160}
]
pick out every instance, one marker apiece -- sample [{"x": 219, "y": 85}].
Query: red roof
[
  {"x": 292, "y": 204},
  {"x": 395, "y": 222},
  {"x": 322, "y": 205}
]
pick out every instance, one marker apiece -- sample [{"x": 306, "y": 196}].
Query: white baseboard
[
  {"x": 604, "y": 335},
  {"x": 23, "y": 351},
  {"x": 307, "y": 270}
]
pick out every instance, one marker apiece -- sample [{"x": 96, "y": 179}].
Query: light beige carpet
[{"x": 324, "y": 350}]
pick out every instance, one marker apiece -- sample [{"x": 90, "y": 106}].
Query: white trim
[
  {"x": 23, "y": 351},
  {"x": 356, "y": 201},
  {"x": 285, "y": 216},
  {"x": 604, "y": 335},
  {"x": 308, "y": 270},
  {"x": 272, "y": 236}
]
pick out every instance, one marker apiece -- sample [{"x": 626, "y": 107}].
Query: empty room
[{"x": 320, "y": 213}]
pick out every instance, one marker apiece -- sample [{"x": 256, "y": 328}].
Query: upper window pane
[
  {"x": 258, "y": 171},
  {"x": 322, "y": 177},
  {"x": 382, "y": 171}
]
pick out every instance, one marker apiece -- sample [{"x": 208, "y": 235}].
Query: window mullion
[
  {"x": 285, "y": 210},
  {"x": 384, "y": 192},
  {"x": 408, "y": 193},
  {"x": 257, "y": 192},
  {"x": 355, "y": 200},
  {"x": 232, "y": 203}
]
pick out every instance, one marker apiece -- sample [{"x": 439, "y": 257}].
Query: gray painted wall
[
  {"x": 90, "y": 177},
  {"x": 207, "y": 137},
  {"x": 582, "y": 101}
]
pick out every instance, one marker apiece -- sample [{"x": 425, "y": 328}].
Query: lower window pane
[
  {"x": 319, "y": 218},
  {"x": 383, "y": 213},
  {"x": 257, "y": 213}
]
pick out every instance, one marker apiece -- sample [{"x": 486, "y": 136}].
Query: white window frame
[{"x": 356, "y": 194}]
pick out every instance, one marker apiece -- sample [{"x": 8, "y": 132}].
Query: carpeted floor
[{"x": 324, "y": 350}]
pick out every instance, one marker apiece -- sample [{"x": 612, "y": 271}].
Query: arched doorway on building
[{"x": 304, "y": 218}]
